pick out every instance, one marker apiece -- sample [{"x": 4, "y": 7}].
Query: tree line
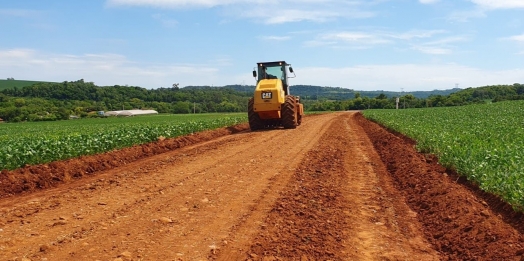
[
  {"x": 493, "y": 93},
  {"x": 54, "y": 101},
  {"x": 45, "y": 101},
  {"x": 312, "y": 92}
]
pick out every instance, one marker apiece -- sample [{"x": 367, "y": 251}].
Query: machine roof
[{"x": 277, "y": 63}]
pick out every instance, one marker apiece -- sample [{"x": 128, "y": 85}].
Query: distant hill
[
  {"x": 9, "y": 84},
  {"x": 311, "y": 92}
]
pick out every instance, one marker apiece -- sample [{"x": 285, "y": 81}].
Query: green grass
[
  {"x": 41, "y": 142},
  {"x": 9, "y": 84},
  {"x": 483, "y": 142}
]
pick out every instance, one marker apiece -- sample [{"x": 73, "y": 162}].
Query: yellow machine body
[
  {"x": 268, "y": 98},
  {"x": 272, "y": 105}
]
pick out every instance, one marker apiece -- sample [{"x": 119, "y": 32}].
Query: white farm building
[{"x": 129, "y": 112}]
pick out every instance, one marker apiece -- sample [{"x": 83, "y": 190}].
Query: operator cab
[{"x": 274, "y": 70}]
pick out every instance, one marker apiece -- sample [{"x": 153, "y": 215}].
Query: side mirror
[
  {"x": 255, "y": 74},
  {"x": 291, "y": 69}
]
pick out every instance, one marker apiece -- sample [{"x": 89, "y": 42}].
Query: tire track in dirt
[
  {"x": 384, "y": 226},
  {"x": 335, "y": 208}
]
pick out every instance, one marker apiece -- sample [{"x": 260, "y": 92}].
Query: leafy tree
[
  {"x": 381, "y": 97},
  {"x": 62, "y": 114},
  {"x": 181, "y": 107},
  {"x": 19, "y": 102},
  {"x": 11, "y": 114}
]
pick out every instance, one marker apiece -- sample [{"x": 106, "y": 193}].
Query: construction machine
[{"x": 272, "y": 105}]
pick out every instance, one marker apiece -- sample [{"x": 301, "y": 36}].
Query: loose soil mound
[
  {"x": 460, "y": 225},
  {"x": 308, "y": 219},
  {"x": 31, "y": 178}
]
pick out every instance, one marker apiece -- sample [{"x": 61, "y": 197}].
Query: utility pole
[{"x": 401, "y": 93}]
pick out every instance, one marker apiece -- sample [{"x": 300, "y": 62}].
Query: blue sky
[{"x": 362, "y": 45}]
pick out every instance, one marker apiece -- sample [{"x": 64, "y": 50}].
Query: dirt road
[{"x": 336, "y": 188}]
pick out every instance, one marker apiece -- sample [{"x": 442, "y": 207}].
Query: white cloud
[
  {"x": 431, "y": 49},
  {"x": 414, "y": 34},
  {"x": 213, "y": 3},
  {"x": 517, "y": 38},
  {"x": 178, "y": 3},
  {"x": 448, "y": 40},
  {"x": 439, "y": 46},
  {"x": 24, "y": 13},
  {"x": 165, "y": 21},
  {"x": 13, "y": 54},
  {"x": 482, "y": 7},
  {"x": 103, "y": 69},
  {"x": 274, "y": 38},
  {"x": 348, "y": 39},
  {"x": 266, "y": 11},
  {"x": 356, "y": 38},
  {"x": 466, "y": 16},
  {"x": 499, "y": 4},
  {"x": 411, "y": 77},
  {"x": 284, "y": 15},
  {"x": 428, "y": 1},
  {"x": 319, "y": 43},
  {"x": 366, "y": 40}
]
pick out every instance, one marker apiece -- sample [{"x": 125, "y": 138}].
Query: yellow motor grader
[{"x": 272, "y": 105}]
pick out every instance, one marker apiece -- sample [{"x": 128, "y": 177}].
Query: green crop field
[
  {"x": 41, "y": 142},
  {"x": 9, "y": 84},
  {"x": 483, "y": 142}
]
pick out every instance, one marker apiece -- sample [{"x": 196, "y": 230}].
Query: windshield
[
  {"x": 274, "y": 73},
  {"x": 271, "y": 72}
]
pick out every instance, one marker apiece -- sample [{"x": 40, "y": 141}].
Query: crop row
[
  {"x": 29, "y": 144},
  {"x": 483, "y": 142}
]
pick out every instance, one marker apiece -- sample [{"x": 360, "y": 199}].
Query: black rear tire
[
  {"x": 255, "y": 123},
  {"x": 289, "y": 113}
]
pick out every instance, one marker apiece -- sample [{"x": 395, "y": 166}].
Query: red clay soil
[
  {"x": 338, "y": 187},
  {"x": 339, "y": 205},
  {"x": 308, "y": 220},
  {"x": 37, "y": 177},
  {"x": 458, "y": 223}
]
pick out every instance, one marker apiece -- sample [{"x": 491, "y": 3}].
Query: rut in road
[
  {"x": 338, "y": 206},
  {"x": 178, "y": 205}
]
